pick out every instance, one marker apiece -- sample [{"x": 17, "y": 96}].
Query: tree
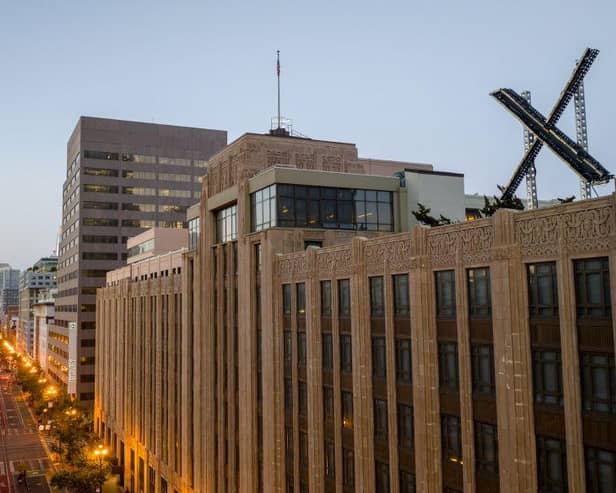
[
  {"x": 489, "y": 207},
  {"x": 85, "y": 479},
  {"x": 422, "y": 214}
]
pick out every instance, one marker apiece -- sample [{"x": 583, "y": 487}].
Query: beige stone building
[{"x": 320, "y": 347}]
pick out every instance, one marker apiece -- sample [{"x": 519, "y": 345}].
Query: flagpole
[{"x": 278, "y": 73}]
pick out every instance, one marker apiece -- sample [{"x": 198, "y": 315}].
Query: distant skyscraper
[
  {"x": 9, "y": 288},
  {"x": 122, "y": 178}
]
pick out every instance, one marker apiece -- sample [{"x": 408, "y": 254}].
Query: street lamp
[{"x": 100, "y": 452}]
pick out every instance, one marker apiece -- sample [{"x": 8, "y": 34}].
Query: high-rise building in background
[
  {"x": 121, "y": 178},
  {"x": 34, "y": 283},
  {"x": 9, "y": 288}
]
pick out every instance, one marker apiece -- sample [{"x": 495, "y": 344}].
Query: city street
[{"x": 20, "y": 444}]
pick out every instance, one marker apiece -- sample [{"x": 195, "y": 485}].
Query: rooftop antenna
[{"x": 280, "y": 126}]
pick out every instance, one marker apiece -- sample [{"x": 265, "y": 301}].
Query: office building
[
  {"x": 9, "y": 288},
  {"x": 34, "y": 282},
  {"x": 43, "y": 318},
  {"x": 121, "y": 178},
  {"x": 325, "y": 348}
]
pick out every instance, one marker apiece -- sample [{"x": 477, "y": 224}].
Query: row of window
[
  {"x": 131, "y": 223},
  {"x": 144, "y": 191},
  {"x": 138, "y": 158},
  {"x": 130, "y": 206}
]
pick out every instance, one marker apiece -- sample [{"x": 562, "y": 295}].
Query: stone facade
[{"x": 292, "y": 358}]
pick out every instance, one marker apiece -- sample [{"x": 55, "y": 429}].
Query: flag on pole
[{"x": 278, "y": 63}]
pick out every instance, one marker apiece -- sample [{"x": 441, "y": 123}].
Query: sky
[{"x": 403, "y": 80}]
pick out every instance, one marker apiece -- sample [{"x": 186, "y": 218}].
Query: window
[
  {"x": 86, "y": 378},
  {"x": 377, "y": 304},
  {"x": 480, "y": 305},
  {"x": 303, "y": 449},
  {"x": 288, "y": 441},
  {"x": 328, "y": 402},
  {"x": 194, "y": 231},
  {"x": 380, "y": 419},
  {"x": 486, "y": 448},
  {"x": 288, "y": 348},
  {"x": 379, "y": 360},
  {"x": 445, "y": 294},
  {"x": 326, "y": 298},
  {"x": 598, "y": 382},
  {"x": 346, "y": 354},
  {"x": 136, "y": 223},
  {"x": 407, "y": 482},
  {"x": 93, "y": 221},
  {"x": 592, "y": 288},
  {"x": 88, "y": 343},
  {"x": 338, "y": 208},
  {"x": 174, "y": 177},
  {"x": 143, "y": 247},
  {"x": 99, "y": 239},
  {"x": 542, "y": 290},
  {"x": 448, "y": 366},
  {"x": 330, "y": 460},
  {"x": 263, "y": 208},
  {"x": 102, "y": 206},
  {"x": 129, "y": 206},
  {"x": 139, "y": 175},
  {"x": 226, "y": 224},
  {"x": 328, "y": 351},
  {"x": 547, "y": 378},
  {"x": 286, "y": 299},
  {"x": 451, "y": 438},
  {"x": 344, "y": 295},
  {"x": 405, "y": 426},
  {"x": 288, "y": 395},
  {"x": 139, "y": 191},
  {"x": 179, "y": 209},
  {"x": 482, "y": 366},
  {"x": 100, "y": 188},
  {"x": 551, "y": 465},
  {"x": 403, "y": 360},
  {"x": 301, "y": 299},
  {"x": 381, "y": 472},
  {"x": 303, "y": 399},
  {"x": 301, "y": 348},
  {"x": 348, "y": 468},
  {"x": 401, "y": 295},
  {"x": 600, "y": 470},
  {"x": 347, "y": 409},
  {"x": 165, "y": 192},
  {"x": 109, "y": 156},
  {"x": 99, "y": 256}
]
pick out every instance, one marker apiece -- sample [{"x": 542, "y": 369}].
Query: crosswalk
[
  {"x": 14, "y": 466},
  {"x": 17, "y": 431}
]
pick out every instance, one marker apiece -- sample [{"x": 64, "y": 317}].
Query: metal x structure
[{"x": 545, "y": 131}]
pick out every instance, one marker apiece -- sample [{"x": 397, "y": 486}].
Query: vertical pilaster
[
  {"x": 363, "y": 429},
  {"x": 425, "y": 369},
  {"x": 512, "y": 355},
  {"x": 571, "y": 372}
]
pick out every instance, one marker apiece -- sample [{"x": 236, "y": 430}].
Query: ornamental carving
[
  {"x": 477, "y": 244},
  {"x": 292, "y": 267},
  {"x": 576, "y": 230},
  {"x": 277, "y": 157},
  {"x": 305, "y": 161},
  {"x": 395, "y": 254},
  {"x": 332, "y": 163},
  {"x": 442, "y": 248},
  {"x": 335, "y": 262}
]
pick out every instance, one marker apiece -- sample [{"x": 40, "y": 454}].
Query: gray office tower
[
  {"x": 9, "y": 288},
  {"x": 121, "y": 178}
]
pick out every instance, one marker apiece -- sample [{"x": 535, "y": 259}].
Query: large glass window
[
  {"x": 226, "y": 224},
  {"x": 328, "y": 402},
  {"x": 326, "y": 298},
  {"x": 263, "y": 208},
  {"x": 194, "y": 230},
  {"x": 330, "y": 460},
  {"x": 99, "y": 221},
  {"x": 547, "y": 378},
  {"x": 301, "y": 349},
  {"x": 377, "y": 304},
  {"x": 344, "y": 295},
  {"x": 138, "y": 191},
  {"x": 379, "y": 359},
  {"x": 451, "y": 438},
  {"x": 551, "y": 465},
  {"x": 128, "y": 206},
  {"x": 480, "y": 305},
  {"x": 381, "y": 477},
  {"x": 144, "y": 247},
  {"x": 405, "y": 426},
  {"x": 348, "y": 468},
  {"x": 407, "y": 482},
  {"x": 600, "y": 470},
  {"x": 380, "y": 419},
  {"x": 100, "y": 172},
  {"x": 302, "y": 398},
  {"x": 286, "y": 299},
  {"x": 301, "y": 299},
  {"x": 347, "y": 409},
  {"x": 138, "y": 175},
  {"x": 598, "y": 382},
  {"x": 448, "y": 366},
  {"x": 592, "y": 288},
  {"x": 328, "y": 351},
  {"x": 100, "y": 188},
  {"x": 403, "y": 360},
  {"x": 321, "y": 207},
  {"x": 445, "y": 294},
  {"x": 109, "y": 156},
  {"x": 486, "y": 447},
  {"x": 346, "y": 354},
  {"x": 104, "y": 206},
  {"x": 482, "y": 366},
  {"x": 401, "y": 295},
  {"x": 542, "y": 290}
]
